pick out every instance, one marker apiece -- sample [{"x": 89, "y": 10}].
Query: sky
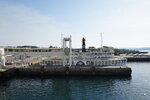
[{"x": 123, "y": 23}]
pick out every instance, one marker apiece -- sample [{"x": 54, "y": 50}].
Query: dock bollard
[
  {"x": 93, "y": 70},
  {"x": 42, "y": 70},
  {"x": 67, "y": 70}
]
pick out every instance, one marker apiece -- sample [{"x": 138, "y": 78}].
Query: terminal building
[{"x": 66, "y": 55}]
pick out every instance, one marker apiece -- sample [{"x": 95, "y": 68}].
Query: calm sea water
[{"x": 136, "y": 87}]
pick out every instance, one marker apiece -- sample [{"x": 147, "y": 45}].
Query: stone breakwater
[{"x": 66, "y": 71}]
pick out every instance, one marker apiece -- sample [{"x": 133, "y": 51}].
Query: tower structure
[
  {"x": 83, "y": 45},
  {"x": 2, "y": 57},
  {"x": 67, "y": 51}
]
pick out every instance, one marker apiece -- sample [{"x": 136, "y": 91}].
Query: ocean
[{"x": 136, "y": 87}]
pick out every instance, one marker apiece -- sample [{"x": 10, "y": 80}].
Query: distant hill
[
  {"x": 142, "y": 48},
  {"x": 26, "y": 46}
]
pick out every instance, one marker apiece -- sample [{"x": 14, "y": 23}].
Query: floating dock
[{"x": 68, "y": 71}]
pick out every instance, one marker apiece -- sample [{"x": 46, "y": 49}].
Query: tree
[
  {"x": 91, "y": 47},
  {"x": 124, "y": 51}
]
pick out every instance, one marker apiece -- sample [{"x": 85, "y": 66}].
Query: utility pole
[
  {"x": 101, "y": 39},
  {"x": 62, "y": 40}
]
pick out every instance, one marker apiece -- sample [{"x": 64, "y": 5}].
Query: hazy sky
[{"x": 124, "y": 23}]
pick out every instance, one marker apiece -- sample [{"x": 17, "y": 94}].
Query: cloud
[
  {"x": 20, "y": 25},
  {"x": 124, "y": 23}
]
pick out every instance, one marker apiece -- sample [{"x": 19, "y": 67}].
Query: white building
[
  {"x": 66, "y": 56},
  {"x": 2, "y": 57},
  {"x": 92, "y": 57}
]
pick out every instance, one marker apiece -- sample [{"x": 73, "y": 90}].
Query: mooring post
[
  {"x": 67, "y": 70},
  {"x": 93, "y": 70}
]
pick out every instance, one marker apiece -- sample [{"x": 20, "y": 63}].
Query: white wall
[{"x": 2, "y": 57}]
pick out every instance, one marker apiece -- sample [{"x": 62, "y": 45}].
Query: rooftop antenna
[{"x": 101, "y": 39}]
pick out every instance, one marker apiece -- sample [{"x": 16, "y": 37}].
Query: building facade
[{"x": 67, "y": 56}]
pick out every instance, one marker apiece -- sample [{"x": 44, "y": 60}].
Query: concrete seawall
[
  {"x": 7, "y": 73},
  {"x": 133, "y": 59},
  {"x": 66, "y": 71}
]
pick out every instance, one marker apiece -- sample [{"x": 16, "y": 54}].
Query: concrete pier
[
  {"x": 135, "y": 59},
  {"x": 68, "y": 71},
  {"x": 7, "y": 73}
]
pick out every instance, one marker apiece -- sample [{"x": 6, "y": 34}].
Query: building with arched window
[{"x": 68, "y": 56}]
